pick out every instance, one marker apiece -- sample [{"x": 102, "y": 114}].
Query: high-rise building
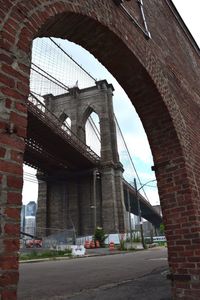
[
  {"x": 22, "y": 223},
  {"x": 30, "y": 218},
  {"x": 31, "y": 209},
  {"x": 30, "y": 225}
]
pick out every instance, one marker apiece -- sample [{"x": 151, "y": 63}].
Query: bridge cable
[
  {"x": 54, "y": 80},
  {"x": 95, "y": 127},
  {"x": 130, "y": 157},
  {"x": 72, "y": 59}
]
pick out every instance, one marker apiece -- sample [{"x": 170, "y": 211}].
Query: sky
[{"x": 128, "y": 119}]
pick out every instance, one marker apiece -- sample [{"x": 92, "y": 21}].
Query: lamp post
[
  {"x": 96, "y": 176},
  {"x": 129, "y": 215},
  {"x": 94, "y": 198},
  {"x": 139, "y": 209}
]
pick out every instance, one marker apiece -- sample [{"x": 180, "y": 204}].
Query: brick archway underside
[{"x": 139, "y": 67}]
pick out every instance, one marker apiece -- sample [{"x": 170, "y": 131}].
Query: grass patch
[{"x": 46, "y": 254}]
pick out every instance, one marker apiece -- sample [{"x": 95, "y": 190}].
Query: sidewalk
[
  {"x": 89, "y": 253},
  {"x": 103, "y": 251}
]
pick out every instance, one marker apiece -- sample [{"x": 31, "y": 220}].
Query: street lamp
[
  {"x": 96, "y": 175},
  {"x": 139, "y": 209},
  {"x": 129, "y": 216}
]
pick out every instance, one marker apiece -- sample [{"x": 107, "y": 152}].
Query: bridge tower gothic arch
[
  {"x": 68, "y": 203},
  {"x": 160, "y": 76}
]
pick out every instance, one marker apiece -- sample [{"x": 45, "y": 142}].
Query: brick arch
[{"x": 97, "y": 27}]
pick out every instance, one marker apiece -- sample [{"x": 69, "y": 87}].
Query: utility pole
[
  {"x": 94, "y": 198},
  {"x": 129, "y": 215},
  {"x": 139, "y": 213},
  {"x": 139, "y": 209}
]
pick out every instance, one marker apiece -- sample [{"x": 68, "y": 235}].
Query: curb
[{"x": 71, "y": 257}]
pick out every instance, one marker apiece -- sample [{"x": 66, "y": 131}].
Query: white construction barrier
[{"x": 78, "y": 250}]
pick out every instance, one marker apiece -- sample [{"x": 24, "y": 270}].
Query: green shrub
[
  {"x": 46, "y": 254},
  {"x": 122, "y": 242},
  {"x": 122, "y": 246},
  {"x": 162, "y": 229},
  {"x": 136, "y": 237},
  {"x": 99, "y": 235}
]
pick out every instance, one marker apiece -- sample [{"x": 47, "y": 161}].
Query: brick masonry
[{"x": 160, "y": 75}]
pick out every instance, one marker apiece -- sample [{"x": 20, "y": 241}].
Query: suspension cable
[
  {"x": 52, "y": 78},
  {"x": 130, "y": 158},
  {"x": 72, "y": 59}
]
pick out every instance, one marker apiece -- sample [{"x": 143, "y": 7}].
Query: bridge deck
[
  {"x": 148, "y": 212},
  {"x": 47, "y": 141}
]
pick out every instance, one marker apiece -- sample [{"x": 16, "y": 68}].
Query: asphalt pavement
[
  {"x": 137, "y": 275},
  {"x": 152, "y": 286}
]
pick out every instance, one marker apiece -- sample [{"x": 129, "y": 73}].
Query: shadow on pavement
[{"x": 153, "y": 286}]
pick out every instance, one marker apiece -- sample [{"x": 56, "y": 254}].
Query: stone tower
[{"x": 92, "y": 197}]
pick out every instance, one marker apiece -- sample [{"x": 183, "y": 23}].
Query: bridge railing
[{"x": 45, "y": 115}]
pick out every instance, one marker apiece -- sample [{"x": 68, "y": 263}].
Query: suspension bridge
[{"x": 56, "y": 150}]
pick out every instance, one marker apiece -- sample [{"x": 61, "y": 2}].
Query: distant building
[
  {"x": 22, "y": 223},
  {"x": 30, "y": 218},
  {"x": 134, "y": 221},
  {"x": 147, "y": 229},
  {"x": 30, "y": 225},
  {"x": 31, "y": 209}
]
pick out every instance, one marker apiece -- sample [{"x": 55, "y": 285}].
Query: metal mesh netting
[{"x": 53, "y": 71}]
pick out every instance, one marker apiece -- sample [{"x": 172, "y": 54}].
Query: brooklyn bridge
[{"x": 73, "y": 177}]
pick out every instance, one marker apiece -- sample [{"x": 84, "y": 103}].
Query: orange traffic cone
[
  {"x": 92, "y": 244},
  {"x": 112, "y": 246},
  {"x": 97, "y": 244},
  {"x": 87, "y": 245}
]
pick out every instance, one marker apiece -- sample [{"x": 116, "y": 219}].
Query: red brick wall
[{"x": 160, "y": 76}]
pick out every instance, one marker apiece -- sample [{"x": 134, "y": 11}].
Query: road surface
[{"x": 137, "y": 275}]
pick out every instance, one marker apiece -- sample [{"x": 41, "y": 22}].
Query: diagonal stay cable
[
  {"x": 72, "y": 59},
  {"x": 130, "y": 157},
  {"x": 51, "y": 78}
]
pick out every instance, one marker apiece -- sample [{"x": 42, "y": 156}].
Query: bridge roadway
[
  {"x": 50, "y": 144},
  {"x": 148, "y": 212},
  {"x": 50, "y": 147}
]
